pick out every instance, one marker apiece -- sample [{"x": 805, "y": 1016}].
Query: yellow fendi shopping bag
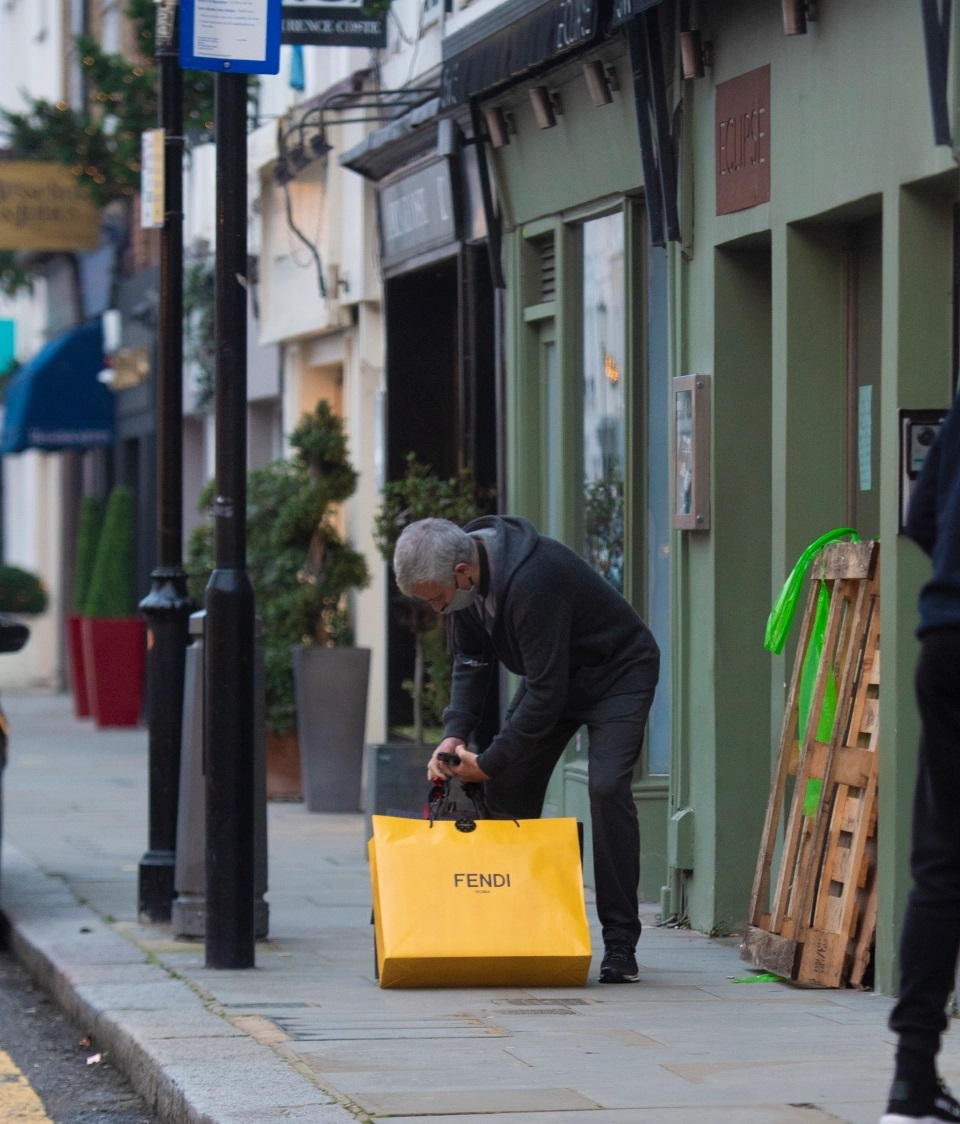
[{"x": 499, "y": 904}]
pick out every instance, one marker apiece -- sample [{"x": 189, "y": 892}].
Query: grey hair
[{"x": 427, "y": 551}]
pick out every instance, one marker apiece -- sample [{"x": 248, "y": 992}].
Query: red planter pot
[
  {"x": 113, "y": 652},
  {"x": 78, "y": 669}
]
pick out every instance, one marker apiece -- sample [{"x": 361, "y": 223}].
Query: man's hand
[
  {"x": 467, "y": 770},
  {"x": 440, "y": 770}
]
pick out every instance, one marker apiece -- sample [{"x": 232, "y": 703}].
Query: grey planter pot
[
  {"x": 331, "y": 686},
  {"x": 397, "y": 782}
]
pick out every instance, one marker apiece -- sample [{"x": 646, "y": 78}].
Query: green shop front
[
  {"x": 583, "y": 335},
  {"x": 814, "y": 286},
  {"x": 771, "y": 241}
]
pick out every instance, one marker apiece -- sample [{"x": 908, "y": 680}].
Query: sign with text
[
  {"x": 624, "y": 10},
  {"x": 230, "y": 36},
  {"x": 334, "y": 23},
  {"x": 511, "y": 39},
  {"x": 152, "y": 192},
  {"x": 742, "y": 141},
  {"x": 416, "y": 213},
  {"x": 43, "y": 206}
]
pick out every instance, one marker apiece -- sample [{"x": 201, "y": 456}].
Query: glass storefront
[{"x": 604, "y": 405}]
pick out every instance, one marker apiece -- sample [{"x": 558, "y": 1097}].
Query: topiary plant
[
  {"x": 300, "y": 568},
  {"x": 89, "y": 526},
  {"x": 21, "y": 591},
  {"x": 111, "y": 584},
  {"x": 420, "y": 494}
]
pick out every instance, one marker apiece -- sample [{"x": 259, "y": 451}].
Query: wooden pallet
[{"x": 813, "y": 908}]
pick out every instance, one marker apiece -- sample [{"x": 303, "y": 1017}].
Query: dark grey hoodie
[
  {"x": 560, "y": 626},
  {"x": 933, "y": 522}
]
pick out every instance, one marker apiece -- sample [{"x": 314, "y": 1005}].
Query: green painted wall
[{"x": 849, "y": 131}]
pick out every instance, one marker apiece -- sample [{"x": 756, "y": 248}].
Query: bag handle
[{"x": 439, "y": 795}]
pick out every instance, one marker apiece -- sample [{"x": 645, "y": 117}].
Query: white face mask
[{"x": 462, "y": 599}]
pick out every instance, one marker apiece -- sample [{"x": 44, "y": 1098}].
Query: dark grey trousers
[
  {"x": 615, "y": 727},
  {"x": 931, "y": 927}
]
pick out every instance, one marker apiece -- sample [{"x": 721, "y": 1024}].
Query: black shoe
[
  {"x": 619, "y": 965},
  {"x": 907, "y": 1105}
]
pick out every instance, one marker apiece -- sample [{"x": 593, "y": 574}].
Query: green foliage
[
  {"x": 21, "y": 591},
  {"x": 199, "y": 345},
  {"x": 100, "y": 142},
  {"x": 111, "y": 584},
  {"x": 603, "y": 526},
  {"x": 300, "y": 567},
  {"x": 89, "y": 527},
  {"x": 6, "y": 375},
  {"x": 13, "y": 277},
  {"x": 420, "y": 494},
  {"x": 437, "y": 674}
]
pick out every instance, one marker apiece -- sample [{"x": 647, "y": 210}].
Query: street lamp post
[
  {"x": 167, "y": 605},
  {"x": 229, "y": 645}
]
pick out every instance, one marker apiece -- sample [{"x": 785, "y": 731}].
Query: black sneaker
[
  {"x": 908, "y": 1106},
  {"x": 619, "y": 965}
]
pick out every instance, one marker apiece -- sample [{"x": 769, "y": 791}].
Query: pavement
[{"x": 307, "y": 1036}]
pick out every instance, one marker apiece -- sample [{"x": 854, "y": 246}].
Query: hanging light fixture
[
  {"x": 695, "y": 55},
  {"x": 499, "y": 125},
  {"x": 601, "y": 82},
  {"x": 796, "y": 13},
  {"x": 546, "y": 106}
]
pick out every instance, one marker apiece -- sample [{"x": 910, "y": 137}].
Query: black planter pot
[
  {"x": 331, "y": 685},
  {"x": 397, "y": 782}
]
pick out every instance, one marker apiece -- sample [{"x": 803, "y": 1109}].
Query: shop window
[{"x": 604, "y": 402}]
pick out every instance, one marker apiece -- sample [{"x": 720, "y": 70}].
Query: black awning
[
  {"x": 624, "y": 10},
  {"x": 403, "y": 140},
  {"x": 510, "y": 40}
]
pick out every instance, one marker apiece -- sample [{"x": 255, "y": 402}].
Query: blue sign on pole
[{"x": 230, "y": 36}]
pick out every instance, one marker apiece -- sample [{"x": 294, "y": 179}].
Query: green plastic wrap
[{"x": 785, "y": 606}]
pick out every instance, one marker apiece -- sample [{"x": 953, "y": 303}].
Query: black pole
[
  {"x": 167, "y": 605},
  {"x": 228, "y": 647}
]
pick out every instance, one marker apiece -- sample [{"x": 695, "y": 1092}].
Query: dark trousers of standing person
[
  {"x": 615, "y": 728},
  {"x": 931, "y": 928}
]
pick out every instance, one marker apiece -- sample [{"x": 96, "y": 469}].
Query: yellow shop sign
[{"x": 44, "y": 207}]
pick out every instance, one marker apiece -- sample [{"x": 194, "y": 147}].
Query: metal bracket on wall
[{"x": 653, "y": 125}]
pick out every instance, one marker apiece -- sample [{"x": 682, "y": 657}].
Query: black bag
[{"x": 455, "y": 800}]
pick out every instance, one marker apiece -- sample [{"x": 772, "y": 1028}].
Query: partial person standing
[
  {"x": 931, "y": 929},
  {"x": 585, "y": 658}
]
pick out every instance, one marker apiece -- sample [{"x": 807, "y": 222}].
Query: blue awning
[{"x": 56, "y": 401}]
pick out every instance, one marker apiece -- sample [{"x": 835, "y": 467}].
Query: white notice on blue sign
[
  {"x": 230, "y": 29},
  {"x": 865, "y": 438}
]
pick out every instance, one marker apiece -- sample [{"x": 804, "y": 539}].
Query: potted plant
[
  {"x": 113, "y": 636},
  {"x": 396, "y": 770},
  {"x": 330, "y": 674},
  {"x": 302, "y": 573},
  {"x": 420, "y": 494},
  {"x": 22, "y": 593},
  {"x": 89, "y": 526}
]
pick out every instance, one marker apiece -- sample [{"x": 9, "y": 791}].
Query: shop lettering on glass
[
  {"x": 416, "y": 213},
  {"x": 576, "y": 20},
  {"x": 742, "y": 139}
]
